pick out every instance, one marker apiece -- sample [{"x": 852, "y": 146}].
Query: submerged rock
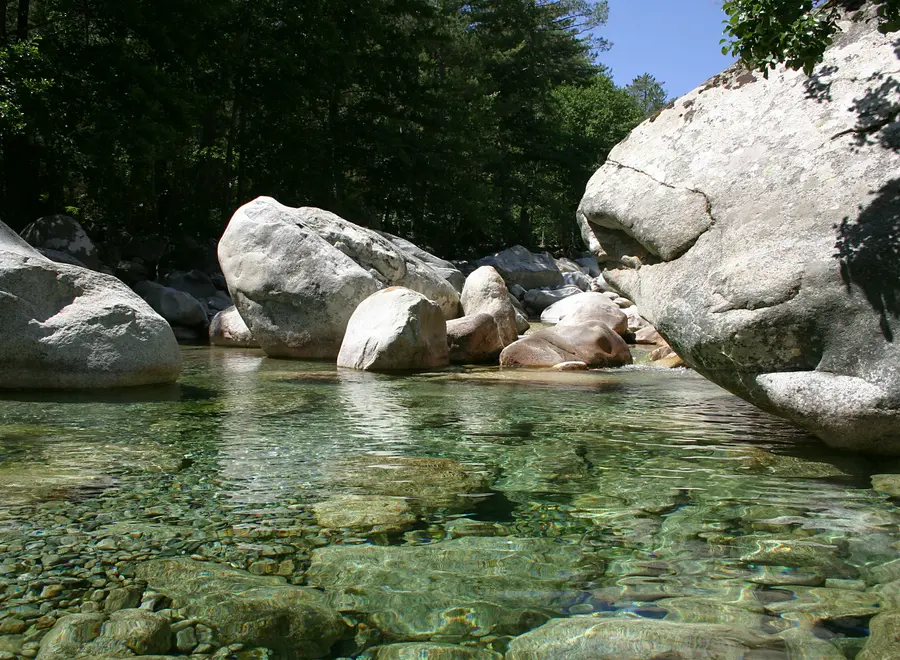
[
  {"x": 376, "y": 513},
  {"x": 297, "y": 275},
  {"x": 592, "y": 638},
  {"x": 884, "y": 641},
  {"x": 248, "y": 609},
  {"x": 395, "y": 329},
  {"x": 68, "y": 327},
  {"x": 426, "y": 651},
  {"x": 590, "y": 342},
  {"x": 454, "y": 590},
  {"x": 717, "y": 196}
]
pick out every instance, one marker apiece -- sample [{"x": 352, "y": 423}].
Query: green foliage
[
  {"x": 765, "y": 33},
  {"x": 649, "y": 93},
  {"x": 442, "y": 120}
]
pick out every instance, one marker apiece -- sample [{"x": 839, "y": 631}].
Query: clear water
[{"x": 659, "y": 482}]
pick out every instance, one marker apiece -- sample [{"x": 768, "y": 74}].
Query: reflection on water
[{"x": 633, "y": 493}]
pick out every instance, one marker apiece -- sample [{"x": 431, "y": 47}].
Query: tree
[
  {"x": 649, "y": 93},
  {"x": 765, "y": 33}
]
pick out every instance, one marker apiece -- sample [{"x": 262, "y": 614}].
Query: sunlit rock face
[
  {"x": 69, "y": 327},
  {"x": 297, "y": 274},
  {"x": 758, "y": 223}
]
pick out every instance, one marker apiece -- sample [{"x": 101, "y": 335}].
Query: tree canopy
[{"x": 466, "y": 126}]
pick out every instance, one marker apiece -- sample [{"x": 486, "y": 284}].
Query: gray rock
[
  {"x": 122, "y": 599},
  {"x": 537, "y": 300},
  {"x": 588, "y": 306},
  {"x": 517, "y": 265},
  {"x": 176, "y": 307},
  {"x": 219, "y": 302},
  {"x": 485, "y": 292},
  {"x": 474, "y": 339},
  {"x": 195, "y": 282},
  {"x": 456, "y": 590},
  {"x": 889, "y": 484},
  {"x": 227, "y": 328},
  {"x": 591, "y": 342},
  {"x": 132, "y": 272},
  {"x": 578, "y": 279},
  {"x": 592, "y": 638},
  {"x": 61, "y": 257},
  {"x": 69, "y": 327},
  {"x": 566, "y": 265},
  {"x": 518, "y": 292},
  {"x": 297, "y": 275},
  {"x": 247, "y": 609},
  {"x": 63, "y": 234},
  {"x": 589, "y": 265},
  {"x": 717, "y": 195},
  {"x": 395, "y": 329},
  {"x": 522, "y": 324}
]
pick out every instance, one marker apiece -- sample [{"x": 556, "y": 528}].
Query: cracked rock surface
[{"x": 759, "y": 220}]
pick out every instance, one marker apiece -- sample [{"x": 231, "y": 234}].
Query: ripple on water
[{"x": 688, "y": 504}]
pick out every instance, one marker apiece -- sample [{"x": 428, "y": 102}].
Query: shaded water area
[{"x": 465, "y": 507}]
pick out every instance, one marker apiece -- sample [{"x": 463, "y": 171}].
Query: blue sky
[{"x": 676, "y": 41}]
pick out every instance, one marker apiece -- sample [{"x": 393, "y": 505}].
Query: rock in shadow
[
  {"x": 123, "y": 395},
  {"x": 868, "y": 249}
]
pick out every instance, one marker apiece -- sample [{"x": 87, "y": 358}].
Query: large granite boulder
[
  {"x": 588, "y": 306},
  {"x": 65, "y": 234},
  {"x": 485, "y": 292},
  {"x": 296, "y": 275},
  {"x": 591, "y": 342},
  {"x": 474, "y": 339},
  {"x": 394, "y": 330},
  {"x": 296, "y": 622},
  {"x": 769, "y": 248},
  {"x": 68, "y": 327},
  {"x": 227, "y": 328},
  {"x": 518, "y": 265},
  {"x": 537, "y": 300}
]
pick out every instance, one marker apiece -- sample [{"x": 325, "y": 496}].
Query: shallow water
[{"x": 655, "y": 485}]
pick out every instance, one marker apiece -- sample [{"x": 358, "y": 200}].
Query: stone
[
  {"x": 176, "y": 307},
  {"x": 395, "y": 329},
  {"x": 122, "y": 599},
  {"x": 570, "y": 366},
  {"x": 456, "y": 590},
  {"x": 803, "y": 643},
  {"x": 889, "y": 484},
  {"x": 588, "y": 306},
  {"x": 711, "y": 194},
  {"x": 426, "y": 482},
  {"x": 596, "y": 638},
  {"x": 486, "y": 292},
  {"x": 194, "y": 282},
  {"x": 522, "y": 324},
  {"x": 649, "y": 335},
  {"x": 375, "y": 513},
  {"x": 251, "y": 610},
  {"x": 590, "y": 342},
  {"x": 69, "y": 635},
  {"x": 566, "y": 265},
  {"x": 884, "y": 639},
  {"x": 65, "y": 234},
  {"x": 578, "y": 279},
  {"x": 61, "y": 257},
  {"x": 67, "y": 327},
  {"x": 427, "y": 651},
  {"x": 517, "y": 265},
  {"x": 297, "y": 275},
  {"x": 142, "y": 632},
  {"x": 517, "y": 292},
  {"x": 474, "y": 339},
  {"x": 589, "y": 265},
  {"x": 227, "y": 328},
  {"x": 442, "y": 267},
  {"x": 537, "y": 300}
]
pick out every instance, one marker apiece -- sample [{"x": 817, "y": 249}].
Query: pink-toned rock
[{"x": 591, "y": 342}]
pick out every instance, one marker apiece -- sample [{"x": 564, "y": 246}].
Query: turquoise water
[{"x": 628, "y": 493}]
